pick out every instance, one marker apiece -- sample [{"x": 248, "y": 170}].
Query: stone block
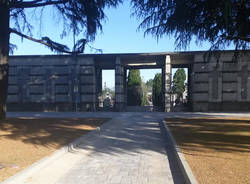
[
  {"x": 119, "y": 70},
  {"x": 119, "y": 88},
  {"x": 36, "y": 80},
  {"x": 119, "y": 98},
  {"x": 87, "y": 70},
  {"x": 37, "y": 98},
  {"x": 229, "y": 97},
  {"x": 230, "y": 67},
  {"x": 229, "y": 87},
  {"x": 200, "y": 77},
  {"x": 36, "y": 89},
  {"x": 12, "y": 89},
  {"x": 226, "y": 77},
  {"x": 88, "y": 98},
  {"x": 202, "y": 67},
  {"x": 12, "y": 80},
  {"x": 87, "y": 80},
  {"x": 12, "y": 99},
  {"x": 200, "y": 97},
  {"x": 61, "y": 80},
  {"x": 38, "y": 70},
  {"x": 12, "y": 70},
  {"x": 119, "y": 79},
  {"x": 85, "y": 61},
  {"x": 62, "y": 89},
  {"x": 62, "y": 98},
  {"x": 88, "y": 89},
  {"x": 200, "y": 87},
  {"x": 200, "y": 107},
  {"x": 61, "y": 70}
]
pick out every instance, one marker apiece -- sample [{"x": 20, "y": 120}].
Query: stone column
[
  {"x": 190, "y": 88},
  {"x": 166, "y": 80},
  {"x": 99, "y": 85},
  {"x": 120, "y": 102}
]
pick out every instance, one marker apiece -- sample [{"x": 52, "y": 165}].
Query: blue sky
[{"x": 120, "y": 35}]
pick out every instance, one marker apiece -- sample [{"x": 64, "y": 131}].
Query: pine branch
[
  {"x": 34, "y": 4},
  {"x": 47, "y": 42}
]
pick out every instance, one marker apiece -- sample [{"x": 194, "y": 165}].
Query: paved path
[{"x": 131, "y": 151}]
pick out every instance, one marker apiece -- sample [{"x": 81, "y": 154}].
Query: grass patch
[
  {"x": 26, "y": 140},
  {"x": 217, "y": 149}
]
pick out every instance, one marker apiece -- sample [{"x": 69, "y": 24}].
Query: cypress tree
[
  {"x": 179, "y": 82},
  {"x": 157, "y": 90},
  {"x": 134, "y": 93}
]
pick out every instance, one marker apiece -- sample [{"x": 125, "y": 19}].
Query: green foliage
[
  {"x": 157, "y": 90},
  {"x": 134, "y": 78},
  {"x": 149, "y": 83},
  {"x": 179, "y": 82},
  {"x": 144, "y": 99},
  {"x": 221, "y": 22},
  {"x": 145, "y": 90},
  {"x": 135, "y": 92}
]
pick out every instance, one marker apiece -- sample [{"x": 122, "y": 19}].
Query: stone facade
[
  {"x": 52, "y": 83},
  {"x": 70, "y": 83},
  {"x": 221, "y": 84}
]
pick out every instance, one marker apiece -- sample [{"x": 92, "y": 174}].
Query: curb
[
  {"x": 38, "y": 165},
  {"x": 185, "y": 169}
]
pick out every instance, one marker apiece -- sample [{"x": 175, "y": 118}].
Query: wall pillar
[
  {"x": 120, "y": 102},
  {"x": 99, "y": 86},
  {"x": 166, "y": 80},
  {"x": 88, "y": 85},
  {"x": 190, "y": 88}
]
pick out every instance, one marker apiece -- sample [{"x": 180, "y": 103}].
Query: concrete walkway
[{"x": 130, "y": 149}]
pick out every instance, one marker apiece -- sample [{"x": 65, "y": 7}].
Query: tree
[
  {"x": 149, "y": 83},
  {"x": 144, "y": 90},
  {"x": 221, "y": 23},
  {"x": 134, "y": 93},
  {"x": 157, "y": 90},
  {"x": 179, "y": 82},
  {"x": 80, "y": 16}
]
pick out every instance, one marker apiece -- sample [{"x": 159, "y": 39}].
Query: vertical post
[
  {"x": 166, "y": 76},
  {"x": 119, "y": 86},
  {"x": 98, "y": 85},
  {"x": 190, "y": 90},
  {"x": 125, "y": 86},
  {"x": 88, "y": 84}
]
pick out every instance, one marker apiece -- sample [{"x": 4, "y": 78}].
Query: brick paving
[{"x": 131, "y": 151}]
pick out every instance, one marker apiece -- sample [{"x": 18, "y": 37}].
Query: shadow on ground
[
  {"x": 224, "y": 135},
  {"x": 47, "y": 131}
]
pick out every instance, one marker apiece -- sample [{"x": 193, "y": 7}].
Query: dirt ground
[
  {"x": 26, "y": 140},
  {"x": 217, "y": 149}
]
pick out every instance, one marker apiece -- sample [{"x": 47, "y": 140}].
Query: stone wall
[
  {"x": 51, "y": 83},
  {"x": 221, "y": 85},
  {"x": 66, "y": 83}
]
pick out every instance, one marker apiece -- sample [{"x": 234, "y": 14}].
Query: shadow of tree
[
  {"x": 47, "y": 131},
  {"x": 224, "y": 135}
]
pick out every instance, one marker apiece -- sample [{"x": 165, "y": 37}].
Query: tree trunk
[{"x": 4, "y": 55}]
